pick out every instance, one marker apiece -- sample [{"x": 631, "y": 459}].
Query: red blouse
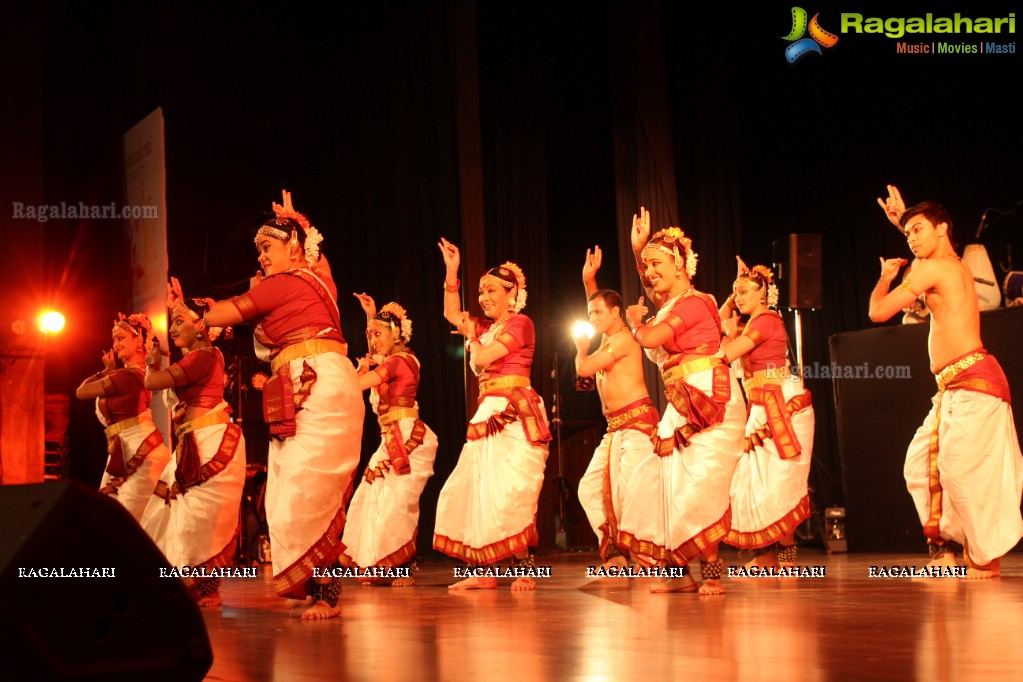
[
  {"x": 399, "y": 376},
  {"x": 124, "y": 395},
  {"x": 291, "y": 307},
  {"x": 199, "y": 378},
  {"x": 519, "y": 337},
  {"x": 697, "y": 326},
  {"x": 767, "y": 331}
]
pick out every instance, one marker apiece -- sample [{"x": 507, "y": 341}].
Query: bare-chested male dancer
[
  {"x": 963, "y": 468},
  {"x": 631, "y": 417}
]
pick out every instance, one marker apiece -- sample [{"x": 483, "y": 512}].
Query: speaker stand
[{"x": 799, "y": 340}]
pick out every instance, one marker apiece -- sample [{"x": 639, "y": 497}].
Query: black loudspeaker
[
  {"x": 579, "y": 440},
  {"x": 81, "y": 595},
  {"x": 798, "y": 262}
]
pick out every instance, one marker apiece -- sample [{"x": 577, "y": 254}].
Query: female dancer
[
  {"x": 699, "y": 438},
  {"x": 137, "y": 453},
  {"x": 311, "y": 402},
  {"x": 384, "y": 514},
  {"x": 193, "y": 514},
  {"x": 769, "y": 497},
  {"x": 487, "y": 508}
]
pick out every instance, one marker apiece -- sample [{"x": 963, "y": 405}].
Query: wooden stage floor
[{"x": 845, "y": 625}]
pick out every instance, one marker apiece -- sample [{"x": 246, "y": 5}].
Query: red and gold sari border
[
  {"x": 324, "y": 552},
  {"x": 489, "y": 554},
  {"x": 772, "y": 533},
  {"x": 685, "y": 552}
]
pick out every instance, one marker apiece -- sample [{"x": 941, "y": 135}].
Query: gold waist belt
[
  {"x": 945, "y": 376},
  {"x": 115, "y": 429},
  {"x": 208, "y": 419},
  {"x": 777, "y": 375},
  {"x": 618, "y": 421},
  {"x": 687, "y": 369},
  {"x": 511, "y": 381},
  {"x": 306, "y": 349},
  {"x": 398, "y": 414}
]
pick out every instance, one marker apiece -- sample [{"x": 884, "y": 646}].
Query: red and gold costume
[
  {"x": 138, "y": 455},
  {"x": 193, "y": 514},
  {"x": 769, "y": 493},
  {"x": 963, "y": 468},
  {"x": 677, "y": 500},
  {"x": 384, "y": 515},
  {"x": 487, "y": 508},
  {"x": 314, "y": 408}
]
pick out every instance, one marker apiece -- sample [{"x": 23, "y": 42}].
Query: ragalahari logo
[{"x": 800, "y": 46}]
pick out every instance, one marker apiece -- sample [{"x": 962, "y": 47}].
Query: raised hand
[
  {"x": 893, "y": 206},
  {"x": 592, "y": 264},
  {"x": 634, "y": 314},
  {"x": 153, "y": 357},
  {"x": 640, "y": 233},
  {"x": 256, "y": 279},
  {"x": 890, "y": 268},
  {"x": 174, "y": 295},
  {"x": 285, "y": 207},
  {"x": 109, "y": 360},
  {"x": 452, "y": 259},
  {"x": 741, "y": 268},
  {"x": 369, "y": 306}
]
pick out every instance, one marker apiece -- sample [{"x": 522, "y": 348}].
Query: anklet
[
  {"x": 712, "y": 570},
  {"x": 328, "y": 593},
  {"x": 786, "y": 554},
  {"x": 937, "y": 548},
  {"x": 528, "y": 563},
  {"x": 208, "y": 587}
]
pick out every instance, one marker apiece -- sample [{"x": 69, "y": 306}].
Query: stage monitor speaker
[
  {"x": 122, "y": 622},
  {"x": 798, "y": 262}
]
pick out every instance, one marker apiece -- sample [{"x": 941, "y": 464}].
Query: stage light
[
  {"x": 581, "y": 329},
  {"x": 51, "y": 322}
]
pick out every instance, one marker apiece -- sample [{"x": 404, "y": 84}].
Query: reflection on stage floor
[{"x": 845, "y": 625}]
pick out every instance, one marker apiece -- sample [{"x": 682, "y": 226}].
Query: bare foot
[
  {"x": 212, "y": 599},
  {"x": 683, "y": 584},
  {"x": 617, "y": 562},
  {"x": 711, "y": 587},
  {"x": 321, "y": 610},
  {"x": 404, "y": 582},
  {"x": 946, "y": 558},
  {"x": 486, "y": 583},
  {"x": 992, "y": 570},
  {"x": 765, "y": 560},
  {"x": 523, "y": 585}
]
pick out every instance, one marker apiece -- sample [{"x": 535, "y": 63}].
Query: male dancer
[
  {"x": 963, "y": 468},
  {"x": 631, "y": 417}
]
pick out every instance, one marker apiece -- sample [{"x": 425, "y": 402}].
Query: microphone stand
[{"x": 561, "y": 537}]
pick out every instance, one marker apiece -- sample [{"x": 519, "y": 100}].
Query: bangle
[
  {"x": 452, "y": 288},
  {"x": 635, "y": 330}
]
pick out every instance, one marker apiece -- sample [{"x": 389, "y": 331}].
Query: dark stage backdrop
[{"x": 583, "y": 112}]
